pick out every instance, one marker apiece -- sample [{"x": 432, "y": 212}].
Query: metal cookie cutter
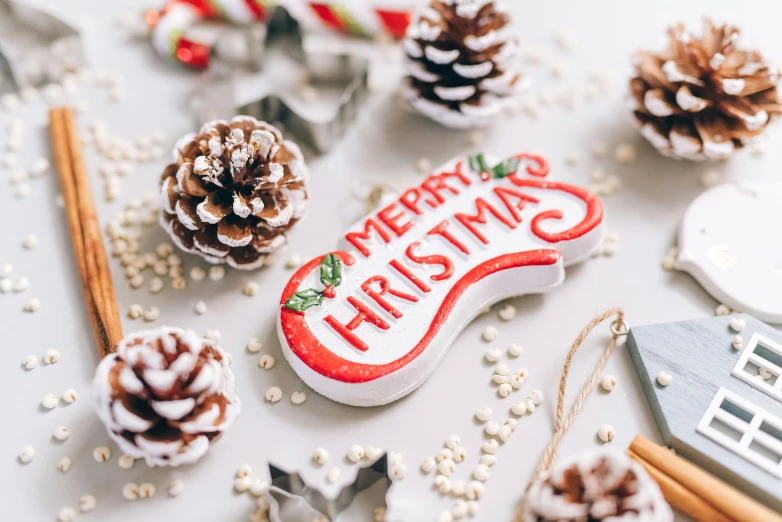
[
  {"x": 36, "y": 47},
  {"x": 290, "y": 496},
  {"x": 217, "y": 97}
]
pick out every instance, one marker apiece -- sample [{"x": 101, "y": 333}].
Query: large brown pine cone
[
  {"x": 234, "y": 191},
  {"x": 706, "y": 96},
  {"x": 593, "y": 486},
  {"x": 166, "y": 395},
  {"x": 461, "y": 61}
]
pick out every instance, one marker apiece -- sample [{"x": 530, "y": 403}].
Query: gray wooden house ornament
[{"x": 723, "y": 408}]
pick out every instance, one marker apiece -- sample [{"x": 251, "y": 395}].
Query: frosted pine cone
[
  {"x": 593, "y": 486},
  {"x": 706, "y": 96},
  {"x": 235, "y": 190},
  {"x": 461, "y": 62},
  {"x": 166, "y": 395}
]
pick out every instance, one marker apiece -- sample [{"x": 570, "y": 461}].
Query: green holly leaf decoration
[
  {"x": 478, "y": 163},
  {"x": 304, "y": 299},
  {"x": 506, "y": 167},
  {"x": 331, "y": 271}
]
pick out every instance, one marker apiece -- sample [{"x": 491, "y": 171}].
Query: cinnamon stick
[
  {"x": 728, "y": 501},
  {"x": 680, "y": 497},
  {"x": 84, "y": 230}
]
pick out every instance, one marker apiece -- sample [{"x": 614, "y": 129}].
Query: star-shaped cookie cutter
[
  {"x": 216, "y": 96},
  {"x": 36, "y": 46},
  {"x": 289, "y": 488}
]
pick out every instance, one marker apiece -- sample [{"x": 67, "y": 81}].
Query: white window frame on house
[
  {"x": 748, "y": 355},
  {"x": 750, "y": 430}
]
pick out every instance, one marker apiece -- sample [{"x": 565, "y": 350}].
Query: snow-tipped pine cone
[
  {"x": 461, "y": 62},
  {"x": 596, "y": 485},
  {"x": 234, "y": 191},
  {"x": 166, "y": 395},
  {"x": 704, "y": 97}
]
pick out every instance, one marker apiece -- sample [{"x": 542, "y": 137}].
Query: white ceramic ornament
[
  {"x": 367, "y": 325},
  {"x": 730, "y": 243}
]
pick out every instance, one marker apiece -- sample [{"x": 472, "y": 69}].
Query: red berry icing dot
[
  {"x": 485, "y": 176},
  {"x": 330, "y": 292}
]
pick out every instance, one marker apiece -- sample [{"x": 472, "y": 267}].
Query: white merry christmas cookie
[{"x": 367, "y": 324}]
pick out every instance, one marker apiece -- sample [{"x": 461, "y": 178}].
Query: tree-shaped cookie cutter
[
  {"x": 289, "y": 492},
  {"x": 216, "y": 96},
  {"x": 36, "y": 46}
]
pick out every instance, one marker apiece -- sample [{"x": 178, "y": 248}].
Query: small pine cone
[
  {"x": 235, "y": 190},
  {"x": 166, "y": 395},
  {"x": 703, "y": 98},
  {"x": 461, "y": 62},
  {"x": 596, "y": 485}
]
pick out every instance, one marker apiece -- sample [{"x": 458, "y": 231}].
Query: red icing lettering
[
  {"x": 446, "y": 263},
  {"x": 364, "y": 314},
  {"x": 410, "y": 199},
  {"x": 402, "y": 269},
  {"x": 355, "y": 238},
  {"x": 514, "y": 207},
  {"x": 391, "y": 220},
  {"x": 435, "y": 183},
  {"x": 480, "y": 216},
  {"x": 385, "y": 288},
  {"x": 441, "y": 229},
  {"x": 540, "y": 162}
]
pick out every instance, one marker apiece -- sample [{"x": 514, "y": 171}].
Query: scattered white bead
[
  {"x": 458, "y": 487},
  {"x": 30, "y": 241},
  {"x": 445, "y": 516},
  {"x": 32, "y": 306},
  {"x": 459, "y": 509},
  {"x": 424, "y": 165},
  {"x": 200, "y": 308},
  {"x": 722, "y": 310},
  {"x": 146, "y": 490},
  {"x": 536, "y": 396},
  {"x": 266, "y": 361},
  {"x": 490, "y": 446},
  {"x": 504, "y": 390},
  {"x": 298, "y": 397},
  {"x": 573, "y": 157},
  {"x": 507, "y": 312},
  {"x": 176, "y": 488},
  {"x": 30, "y": 362},
  {"x": 489, "y": 334},
  {"x": 64, "y": 464},
  {"x": 5, "y": 285},
  {"x": 712, "y": 178},
  {"x": 197, "y": 273},
  {"x": 259, "y": 487},
  {"x": 491, "y": 428},
  {"x": 444, "y": 454},
  {"x": 151, "y": 314},
  {"x": 501, "y": 369},
  {"x": 51, "y": 356},
  {"x": 606, "y": 433},
  {"x": 398, "y": 471},
  {"x": 49, "y": 401},
  {"x": 355, "y": 453},
  {"x": 488, "y": 460},
  {"x": 481, "y": 472},
  {"x": 484, "y": 414},
  {"x": 333, "y": 474},
  {"x": 61, "y": 433},
  {"x": 446, "y": 467},
  {"x": 443, "y": 484},
  {"x": 664, "y": 378},
  {"x": 474, "y": 490},
  {"x": 530, "y": 405},
  {"x": 493, "y": 354},
  {"x": 519, "y": 409},
  {"x": 126, "y": 461},
  {"x": 459, "y": 454},
  {"x": 156, "y": 286},
  {"x": 245, "y": 470},
  {"x": 514, "y": 350},
  {"x": 320, "y": 456},
  {"x": 135, "y": 311},
  {"x": 216, "y": 273},
  {"x": 294, "y": 261},
  {"x": 428, "y": 465},
  {"x": 504, "y": 433},
  {"x": 250, "y": 288},
  {"x": 452, "y": 442},
  {"x": 87, "y": 503},
  {"x": 625, "y": 153},
  {"x": 66, "y": 514},
  {"x": 512, "y": 424},
  {"x": 500, "y": 379},
  {"x": 273, "y": 394},
  {"x": 69, "y": 395},
  {"x": 765, "y": 374},
  {"x": 21, "y": 284},
  {"x": 130, "y": 491},
  {"x": 213, "y": 335},
  {"x": 254, "y": 345},
  {"x": 101, "y": 454},
  {"x": 737, "y": 324},
  {"x": 608, "y": 382},
  {"x": 27, "y": 454},
  {"x": 473, "y": 508},
  {"x": 6, "y": 270},
  {"x": 242, "y": 484},
  {"x": 738, "y": 342}
]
